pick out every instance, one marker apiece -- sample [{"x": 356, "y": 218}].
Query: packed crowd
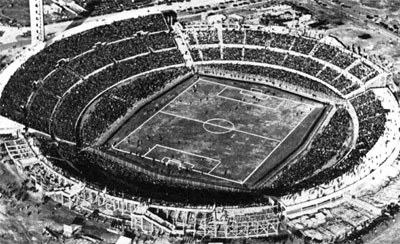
[
  {"x": 276, "y": 74},
  {"x": 344, "y": 85},
  {"x": 372, "y": 119},
  {"x": 263, "y": 56},
  {"x": 306, "y": 65},
  {"x": 59, "y": 82},
  {"x": 269, "y": 39},
  {"x": 191, "y": 38},
  {"x": 13, "y": 101},
  {"x": 232, "y": 53},
  {"x": 257, "y": 38},
  {"x": 21, "y": 84},
  {"x": 304, "y": 45},
  {"x": 329, "y": 74},
  {"x": 334, "y": 55},
  {"x": 113, "y": 52},
  {"x": 116, "y": 102},
  {"x": 233, "y": 36},
  {"x": 303, "y": 64},
  {"x": 101, "y": 173},
  {"x": 210, "y": 54},
  {"x": 326, "y": 146},
  {"x": 40, "y": 110},
  {"x": 363, "y": 71},
  {"x": 73, "y": 103},
  {"x": 340, "y": 82},
  {"x": 207, "y": 36},
  {"x": 195, "y": 55},
  {"x": 282, "y": 41}
]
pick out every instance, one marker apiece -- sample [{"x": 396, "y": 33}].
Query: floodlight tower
[{"x": 37, "y": 22}]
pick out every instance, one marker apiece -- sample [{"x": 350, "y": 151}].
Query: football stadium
[{"x": 213, "y": 130}]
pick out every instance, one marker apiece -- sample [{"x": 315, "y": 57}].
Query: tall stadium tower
[{"x": 37, "y": 22}]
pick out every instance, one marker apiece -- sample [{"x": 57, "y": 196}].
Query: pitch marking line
[
  {"x": 195, "y": 170},
  {"x": 279, "y": 105},
  {"x": 173, "y": 100},
  {"x": 151, "y": 117},
  {"x": 281, "y": 100},
  {"x": 155, "y": 159},
  {"x": 216, "y": 166},
  {"x": 199, "y": 121},
  {"x": 252, "y": 93},
  {"x": 218, "y": 177},
  {"x": 255, "y": 90},
  {"x": 175, "y": 161},
  {"x": 219, "y": 93},
  {"x": 185, "y": 152},
  {"x": 163, "y": 161},
  {"x": 273, "y": 150},
  {"x": 234, "y": 87},
  {"x": 257, "y": 94},
  {"x": 240, "y": 101},
  {"x": 130, "y": 153},
  {"x": 151, "y": 149}
]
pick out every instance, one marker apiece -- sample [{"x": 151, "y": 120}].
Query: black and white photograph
[{"x": 199, "y": 121}]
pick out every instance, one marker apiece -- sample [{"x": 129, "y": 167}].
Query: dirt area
[
  {"x": 386, "y": 233},
  {"x": 24, "y": 216},
  {"x": 381, "y": 43}
]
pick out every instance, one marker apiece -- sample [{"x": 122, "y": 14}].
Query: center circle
[{"x": 218, "y": 126}]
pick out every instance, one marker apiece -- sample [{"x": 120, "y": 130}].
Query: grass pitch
[{"x": 225, "y": 130}]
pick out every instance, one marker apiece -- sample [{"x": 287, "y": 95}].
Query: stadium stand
[
  {"x": 116, "y": 102},
  {"x": 38, "y": 66},
  {"x": 100, "y": 172},
  {"x": 288, "y": 77},
  {"x": 73, "y": 103},
  {"x": 113, "y": 52},
  {"x": 266, "y": 52},
  {"x": 211, "y": 54},
  {"x": 195, "y": 55},
  {"x": 302, "y": 64},
  {"x": 40, "y": 110},
  {"x": 263, "y": 56},
  {"x": 333, "y": 55},
  {"x": 58, "y": 89},
  {"x": 372, "y": 121},
  {"x": 325, "y": 146},
  {"x": 363, "y": 71},
  {"x": 233, "y": 36},
  {"x": 232, "y": 53},
  {"x": 207, "y": 36},
  {"x": 304, "y": 45},
  {"x": 59, "y": 82}
]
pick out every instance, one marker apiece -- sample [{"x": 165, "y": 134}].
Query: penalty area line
[
  {"x": 151, "y": 117},
  {"x": 209, "y": 172},
  {"x": 243, "y": 102},
  {"x": 188, "y": 153},
  {"x": 237, "y": 88},
  {"x": 218, "y": 177}
]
